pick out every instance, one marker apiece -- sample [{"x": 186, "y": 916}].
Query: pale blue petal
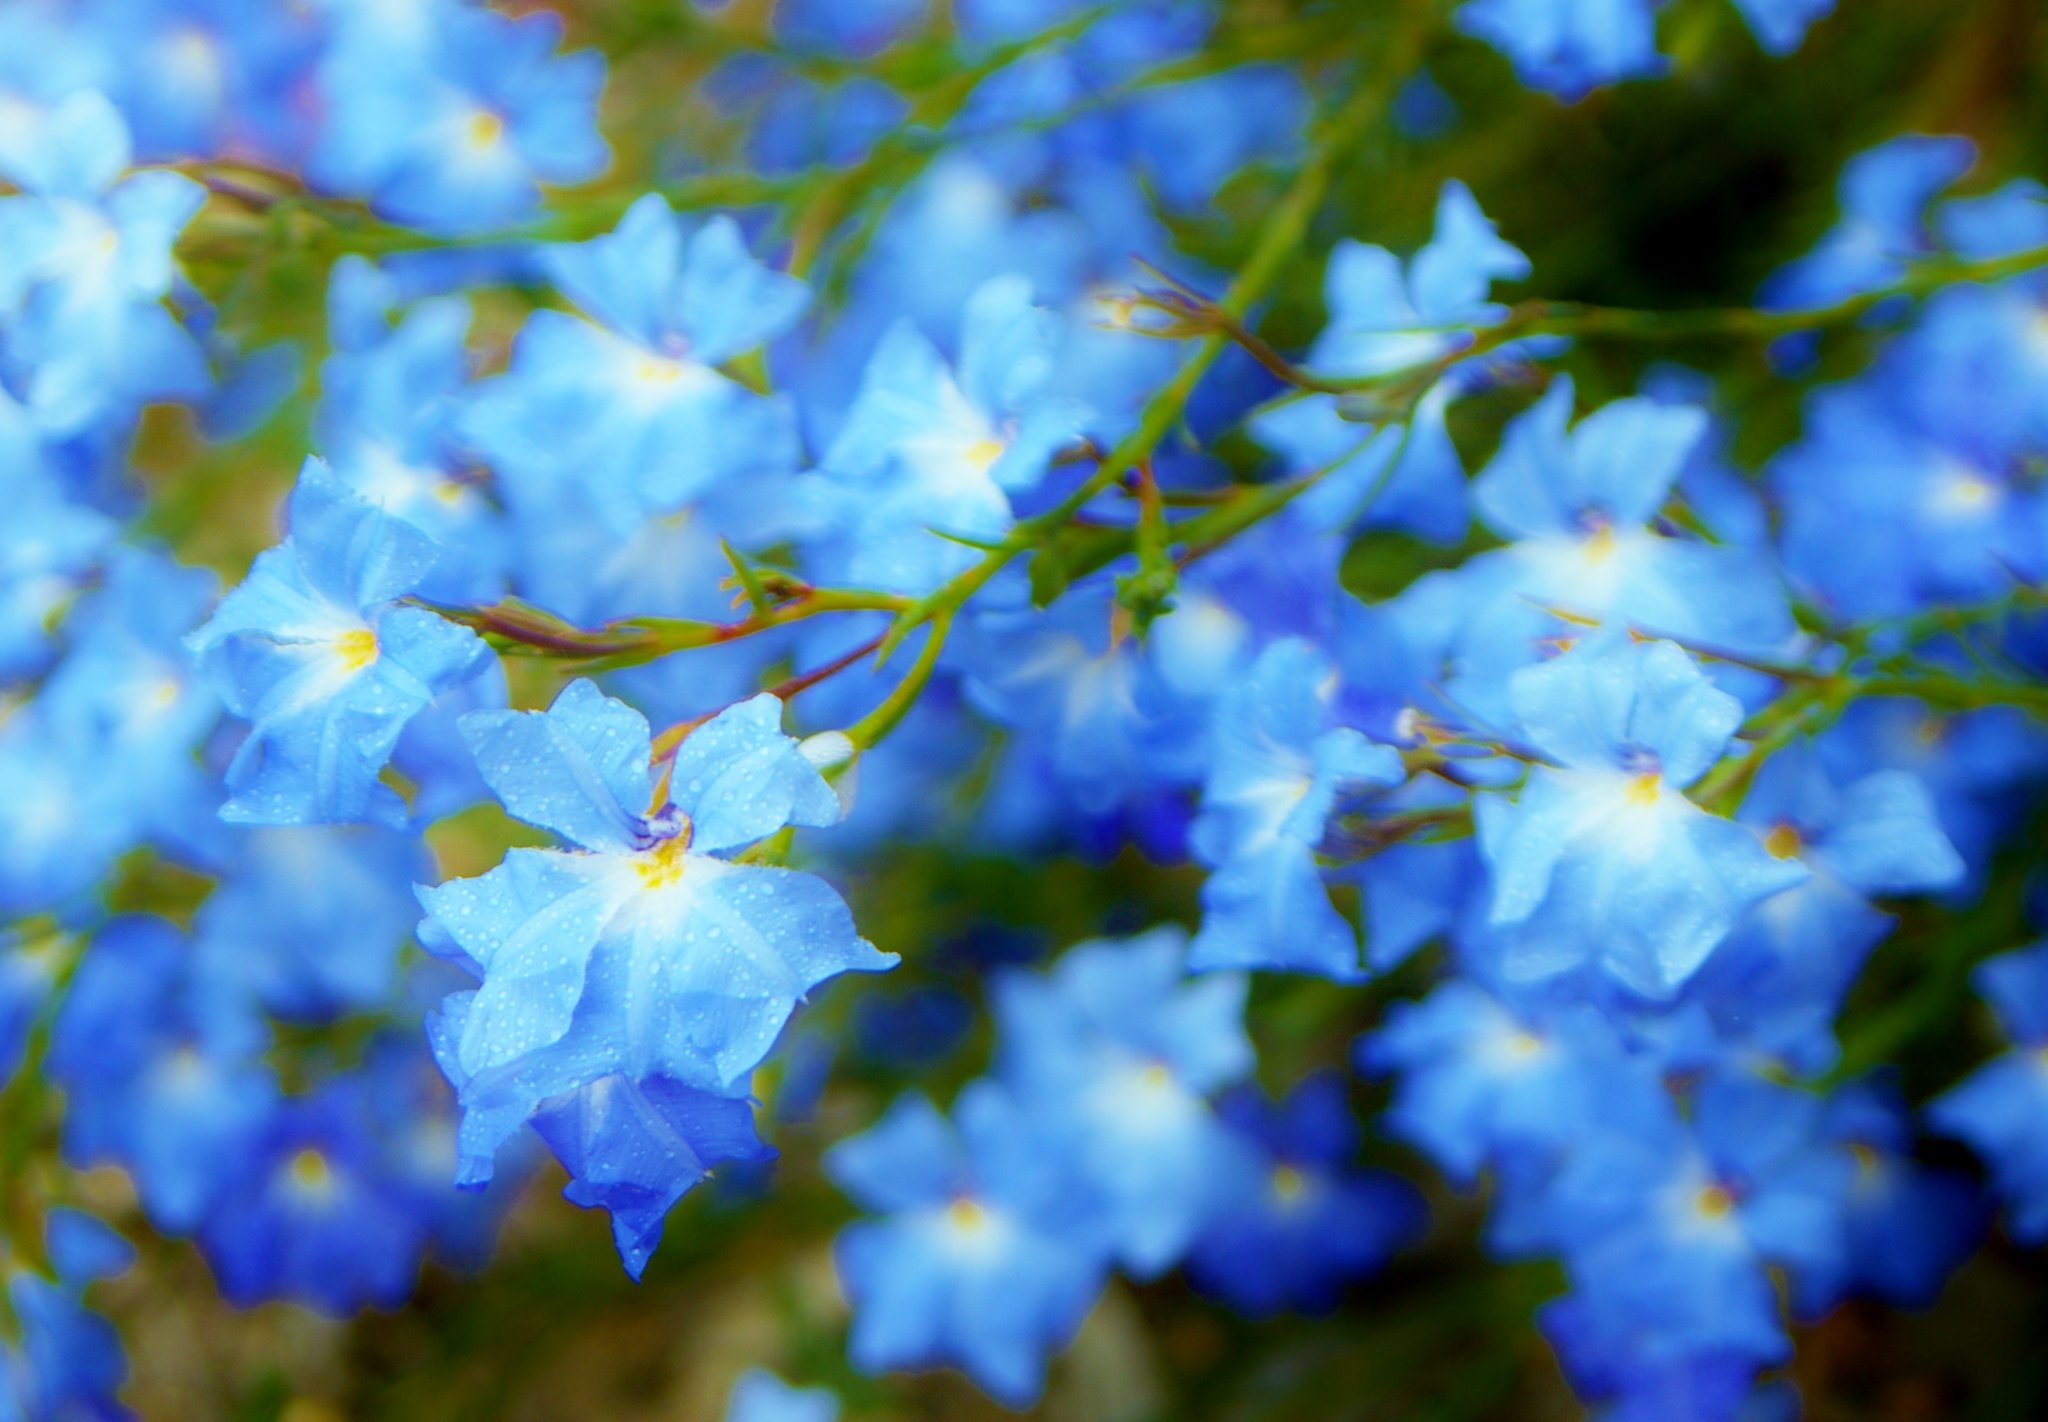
[
  {"x": 580, "y": 768},
  {"x": 730, "y": 302},
  {"x": 1887, "y": 838},
  {"x": 739, "y": 779}
]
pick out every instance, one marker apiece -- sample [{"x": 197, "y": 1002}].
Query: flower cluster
[
  {"x": 1568, "y": 47},
  {"x": 1118, "y": 1131},
  {"x": 675, "y": 560}
]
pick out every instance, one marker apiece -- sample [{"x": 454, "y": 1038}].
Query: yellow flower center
[
  {"x": 1524, "y": 1044},
  {"x": 1599, "y": 544},
  {"x": 1714, "y": 1202},
  {"x": 966, "y": 1215},
  {"x": 664, "y": 864},
  {"x": 1783, "y": 841},
  {"x": 1644, "y": 789},
  {"x": 485, "y": 129},
  {"x": 311, "y": 1172},
  {"x": 983, "y": 454},
  {"x": 356, "y": 648},
  {"x": 1966, "y": 492},
  {"x": 1288, "y": 1183},
  {"x": 658, "y": 370}
]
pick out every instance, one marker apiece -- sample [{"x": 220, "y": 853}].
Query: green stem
[
  {"x": 871, "y": 728},
  {"x": 1149, "y": 592},
  {"x": 1284, "y": 232},
  {"x": 1953, "y": 693},
  {"x": 1577, "y": 321},
  {"x": 632, "y": 641}
]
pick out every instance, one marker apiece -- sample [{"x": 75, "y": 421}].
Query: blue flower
[
  {"x": 1117, "y": 1054},
  {"x": 1781, "y": 24},
  {"x": 1670, "y": 1299},
  {"x": 1905, "y": 1226},
  {"x": 2008, "y": 219},
  {"x": 49, "y": 548},
  {"x": 1669, "y": 1224},
  {"x": 1978, "y": 765},
  {"x": 1110, "y": 715},
  {"x": 1481, "y": 1084},
  {"x": 1998, "y": 1109},
  {"x": 795, "y": 120},
  {"x": 1606, "y": 478},
  {"x": 390, "y": 396},
  {"x": 1885, "y": 193},
  {"x": 317, "y": 652},
  {"x": 1601, "y": 857},
  {"x": 1188, "y": 139},
  {"x": 1778, "y": 981},
  {"x": 631, "y": 401},
  {"x": 642, "y": 949},
  {"x": 983, "y": 1259},
  {"x": 1567, "y": 47},
  {"x": 85, "y": 263},
  {"x": 45, "y": 58},
  {"x": 571, "y": 558},
  {"x": 836, "y": 28},
  {"x": 1303, "y": 1219},
  {"x": 449, "y": 120},
  {"x": 1092, "y": 700},
  {"x": 60, "y": 1360},
  {"x": 203, "y": 77},
  {"x": 431, "y": 756},
  {"x": 634, "y": 1148},
  {"x": 1948, "y": 426},
  {"x": 1279, "y": 767},
  {"x": 312, "y": 1210},
  {"x": 162, "y": 1067},
  {"x": 1743, "y": 1175},
  {"x": 127, "y": 691},
  {"x": 1409, "y": 475},
  {"x": 64, "y": 819},
  {"x": 1619, "y": 1359},
  {"x": 1581, "y": 506},
  {"x": 929, "y": 449}
]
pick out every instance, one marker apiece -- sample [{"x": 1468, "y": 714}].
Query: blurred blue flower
[
  {"x": 1384, "y": 321},
  {"x": 1304, "y": 1220},
  {"x": 1279, "y": 769},
  {"x": 317, "y": 650},
  {"x": 629, "y": 398},
  {"x": 448, "y": 116},
  {"x": 983, "y": 1258},
  {"x": 1998, "y": 1107},
  {"x": 1117, "y": 1055}
]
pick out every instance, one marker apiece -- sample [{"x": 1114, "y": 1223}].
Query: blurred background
[{"x": 1685, "y": 192}]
